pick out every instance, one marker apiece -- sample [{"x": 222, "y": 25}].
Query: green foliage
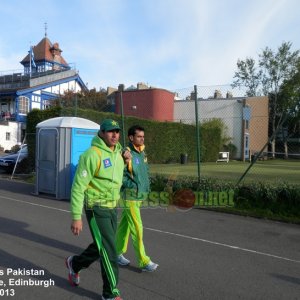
[
  {"x": 277, "y": 66},
  {"x": 165, "y": 140},
  {"x": 231, "y": 148},
  {"x": 90, "y": 99},
  {"x": 36, "y": 116},
  {"x": 269, "y": 73},
  {"x": 211, "y": 135},
  {"x": 159, "y": 182},
  {"x": 23, "y": 167},
  {"x": 289, "y": 100},
  {"x": 247, "y": 75},
  {"x": 15, "y": 148},
  {"x": 273, "y": 70},
  {"x": 280, "y": 201}
]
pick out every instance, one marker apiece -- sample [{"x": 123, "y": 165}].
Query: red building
[{"x": 144, "y": 102}]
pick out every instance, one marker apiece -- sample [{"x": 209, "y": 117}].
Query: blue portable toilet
[{"x": 59, "y": 143}]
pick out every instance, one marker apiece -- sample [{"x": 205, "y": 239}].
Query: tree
[
  {"x": 248, "y": 76},
  {"x": 289, "y": 94},
  {"x": 86, "y": 99},
  {"x": 289, "y": 99},
  {"x": 273, "y": 69}
]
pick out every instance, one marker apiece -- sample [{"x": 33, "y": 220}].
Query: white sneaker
[
  {"x": 122, "y": 261},
  {"x": 74, "y": 278},
  {"x": 150, "y": 267}
]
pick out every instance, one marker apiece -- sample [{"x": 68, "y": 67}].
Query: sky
[{"x": 170, "y": 44}]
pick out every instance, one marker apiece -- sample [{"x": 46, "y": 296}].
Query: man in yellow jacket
[{"x": 136, "y": 187}]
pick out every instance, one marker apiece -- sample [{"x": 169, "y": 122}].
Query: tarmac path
[{"x": 202, "y": 254}]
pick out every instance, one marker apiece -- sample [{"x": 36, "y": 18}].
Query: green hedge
[
  {"x": 165, "y": 141},
  {"x": 279, "y": 199},
  {"x": 278, "y": 202}
]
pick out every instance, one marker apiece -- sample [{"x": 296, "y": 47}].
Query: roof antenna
[{"x": 46, "y": 29}]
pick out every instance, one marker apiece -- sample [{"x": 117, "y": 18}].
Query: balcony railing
[{"x": 17, "y": 79}]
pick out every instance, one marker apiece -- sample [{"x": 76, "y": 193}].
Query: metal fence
[{"x": 246, "y": 152}]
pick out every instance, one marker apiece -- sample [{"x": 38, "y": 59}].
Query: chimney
[
  {"x": 121, "y": 87},
  {"x": 142, "y": 86},
  {"x": 193, "y": 96},
  {"x": 229, "y": 95},
  {"x": 218, "y": 94},
  {"x": 55, "y": 49}
]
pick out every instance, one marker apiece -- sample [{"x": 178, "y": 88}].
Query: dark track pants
[{"x": 103, "y": 226}]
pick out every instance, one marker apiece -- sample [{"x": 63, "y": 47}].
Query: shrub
[
  {"x": 231, "y": 148},
  {"x": 281, "y": 200},
  {"x": 15, "y": 148},
  {"x": 23, "y": 167},
  {"x": 165, "y": 140}
]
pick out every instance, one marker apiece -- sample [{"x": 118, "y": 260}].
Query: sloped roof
[
  {"x": 44, "y": 51},
  {"x": 68, "y": 122}
]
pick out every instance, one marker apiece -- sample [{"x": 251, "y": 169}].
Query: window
[
  {"x": 7, "y": 136},
  {"x": 246, "y": 124},
  {"x": 23, "y": 105},
  {"x": 41, "y": 68},
  {"x": 246, "y": 146},
  {"x": 46, "y": 104},
  {"x": 36, "y": 98}
]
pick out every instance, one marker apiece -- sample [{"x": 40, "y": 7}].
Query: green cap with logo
[{"x": 109, "y": 124}]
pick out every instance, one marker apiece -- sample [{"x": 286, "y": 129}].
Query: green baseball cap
[{"x": 109, "y": 124}]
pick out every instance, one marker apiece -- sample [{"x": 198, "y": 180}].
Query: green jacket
[
  {"x": 98, "y": 178},
  {"x": 136, "y": 184}
]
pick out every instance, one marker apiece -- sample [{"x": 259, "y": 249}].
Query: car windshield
[{"x": 23, "y": 150}]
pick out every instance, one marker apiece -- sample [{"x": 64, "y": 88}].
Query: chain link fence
[
  {"x": 235, "y": 133},
  {"x": 223, "y": 135}
]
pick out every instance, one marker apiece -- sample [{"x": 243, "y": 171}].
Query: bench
[{"x": 223, "y": 156}]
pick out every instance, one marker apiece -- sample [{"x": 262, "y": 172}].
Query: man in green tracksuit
[
  {"x": 96, "y": 187},
  {"x": 135, "y": 189}
]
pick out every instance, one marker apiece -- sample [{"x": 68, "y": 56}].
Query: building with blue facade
[{"x": 45, "y": 76}]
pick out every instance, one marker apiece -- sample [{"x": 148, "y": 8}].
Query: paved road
[{"x": 202, "y": 254}]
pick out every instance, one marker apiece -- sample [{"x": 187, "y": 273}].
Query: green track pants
[
  {"x": 131, "y": 223},
  {"x": 103, "y": 225}
]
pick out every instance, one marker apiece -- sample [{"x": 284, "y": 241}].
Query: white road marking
[
  {"x": 172, "y": 233},
  {"x": 224, "y": 245},
  {"x": 35, "y": 204}
]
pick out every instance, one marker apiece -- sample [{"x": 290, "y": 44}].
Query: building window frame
[
  {"x": 24, "y": 105},
  {"x": 7, "y": 136}
]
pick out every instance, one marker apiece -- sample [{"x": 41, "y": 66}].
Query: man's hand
[
  {"x": 76, "y": 226},
  {"x": 126, "y": 156}
]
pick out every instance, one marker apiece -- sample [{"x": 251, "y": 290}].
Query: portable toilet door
[
  {"x": 47, "y": 145},
  {"x": 60, "y": 141}
]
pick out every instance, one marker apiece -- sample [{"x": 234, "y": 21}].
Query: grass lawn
[{"x": 267, "y": 171}]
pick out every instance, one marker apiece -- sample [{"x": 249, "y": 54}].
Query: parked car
[{"x": 7, "y": 162}]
